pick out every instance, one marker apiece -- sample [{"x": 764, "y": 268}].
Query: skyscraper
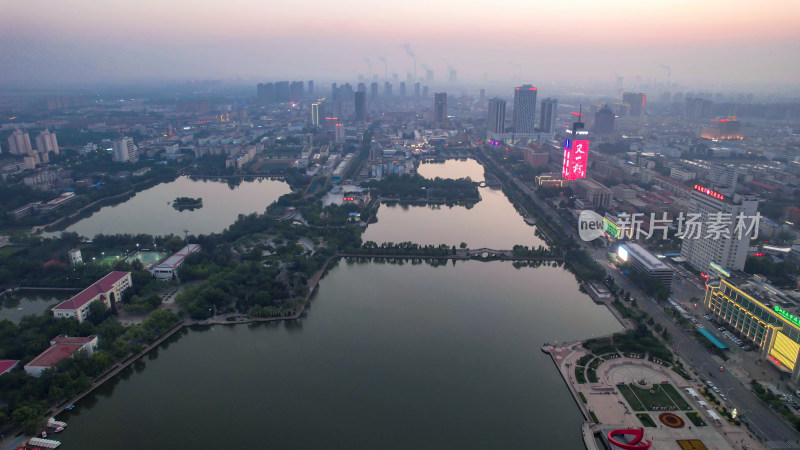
[
  {"x": 440, "y": 108},
  {"x": 282, "y": 93},
  {"x": 373, "y": 91},
  {"x": 402, "y": 89},
  {"x": 46, "y": 142},
  {"x": 425, "y": 91},
  {"x": 20, "y": 143},
  {"x": 296, "y": 91},
  {"x": 604, "y": 120},
  {"x": 729, "y": 248},
  {"x": 310, "y": 86},
  {"x": 576, "y": 152},
  {"x": 416, "y": 89},
  {"x": 524, "y": 114},
  {"x": 547, "y": 118},
  {"x": 387, "y": 89},
  {"x": 497, "y": 118},
  {"x": 636, "y": 102},
  {"x": 361, "y": 106},
  {"x": 361, "y": 87},
  {"x": 123, "y": 149},
  {"x": 317, "y": 112}
]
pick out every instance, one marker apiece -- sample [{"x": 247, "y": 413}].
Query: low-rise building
[
  {"x": 593, "y": 192},
  {"x": 61, "y": 347},
  {"x": 644, "y": 262},
  {"x": 168, "y": 268},
  {"x": 108, "y": 290},
  {"x": 7, "y": 365}
]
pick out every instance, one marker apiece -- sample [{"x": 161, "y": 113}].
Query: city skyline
[{"x": 682, "y": 41}]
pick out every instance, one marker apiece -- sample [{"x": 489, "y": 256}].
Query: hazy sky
[{"x": 708, "y": 41}]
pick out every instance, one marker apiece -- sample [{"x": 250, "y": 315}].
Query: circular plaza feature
[{"x": 671, "y": 420}]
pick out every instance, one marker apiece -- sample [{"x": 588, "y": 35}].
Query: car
[
  {"x": 709, "y": 383},
  {"x": 721, "y": 369},
  {"x": 715, "y": 389}
]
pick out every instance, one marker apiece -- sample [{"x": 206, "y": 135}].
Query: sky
[{"x": 707, "y": 42}]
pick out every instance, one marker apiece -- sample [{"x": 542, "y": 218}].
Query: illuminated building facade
[
  {"x": 576, "y": 150},
  {"x": 524, "y": 110},
  {"x": 758, "y": 314},
  {"x": 722, "y": 129}
]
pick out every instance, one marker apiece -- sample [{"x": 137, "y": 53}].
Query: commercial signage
[
  {"x": 719, "y": 269},
  {"x": 575, "y": 154},
  {"x": 787, "y": 315},
  {"x": 709, "y": 192}
]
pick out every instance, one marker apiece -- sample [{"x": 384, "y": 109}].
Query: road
[{"x": 770, "y": 427}]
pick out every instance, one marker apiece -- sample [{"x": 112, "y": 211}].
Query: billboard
[{"x": 575, "y": 153}]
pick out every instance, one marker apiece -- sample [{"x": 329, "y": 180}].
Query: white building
[
  {"x": 75, "y": 257},
  {"x": 496, "y": 124},
  {"x": 729, "y": 252},
  {"x": 524, "y": 114},
  {"x": 19, "y": 143},
  {"x": 46, "y": 142},
  {"x": 123, "y": 149},
  {"x": 108, "y": 290},
  {"x": 168, "y": 268},
  {"x": 646, "y": 263}
]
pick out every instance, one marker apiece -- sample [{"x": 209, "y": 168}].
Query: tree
[
  {"x": 98, "y": 311},
  {"x": 29, "y": 417},
  {"x": 463, "y": 245}
]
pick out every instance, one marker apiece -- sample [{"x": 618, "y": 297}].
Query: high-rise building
[
  {"x": 266, "y": 92},
  {"x": 547, "y": 116},
  {"x": 123, "y": 149},
  {"x": 635, "y": 101},
  {"x": 361, "y": 106},
  {"x": 728, "y": 248},
  {"x": 20, "y": 143},
  {"x": 46, "y": 142},
  {"x": 373, "y": 91},
  {"x": 453, "y": 76},
  {"x": 440, "y": 108},
  {"x": 282, "y": 91},
  {"x": 362, "y": 87},
  {"x": 576, "y": 152},
  {"x": 482, "y": 96},
  {"x": 604, "y": 121},
  {"x": 310, "y": 86},
  {"x": 416, "y": 89},
  {"x": 402, "y": 89},
  {"x": 723, "y": 178},
  {"x": 387, "y": 89},
  {"x": 524, "y": 114},
  {"x": 497, "y": 118},
  {"x": 317, "y": 112},
  {"x": 425, "y": 92},
  {"x": 296, "y": 91},
  {"x": 338, "y": 133}
]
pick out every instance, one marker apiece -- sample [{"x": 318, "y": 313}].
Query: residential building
[
  {"x": 635, "y": 102},
  {"x": 75, "y": 257},
  {"x": 46, "y": 142},
  {"x": 604, "y": 121},
  {"x": 123, "y": 149},
  {"x": 360, "y": 106},
  {"x": 548, "y": 114},
  {"x": 19, "y": 143},
  {"x": 108, "y": 290}
]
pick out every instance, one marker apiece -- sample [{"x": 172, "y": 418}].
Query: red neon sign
[
  {"x": 709, "y": 192},
  {"x": 575, "y": 154}
]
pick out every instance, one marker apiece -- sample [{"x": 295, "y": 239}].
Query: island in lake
[{"x": 189, "y": 203}]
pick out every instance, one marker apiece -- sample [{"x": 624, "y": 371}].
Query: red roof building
[
  {"x": 6, "y": 365},
  {"x": 107, "y": 289},
  {"x": 61, "y": 347}
]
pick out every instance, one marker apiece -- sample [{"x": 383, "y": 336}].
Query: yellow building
[{"x": 760, "y": 313}]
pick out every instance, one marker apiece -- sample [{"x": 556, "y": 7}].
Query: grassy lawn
[
  {"x": 696, "y": 419},
  {"x": 626, "y": 392},
  {"x": 8, "y": 250},
  {"x": 662, "y": 395},
  {"x": 580, "y": 377},
  {"x": 646, "y": 420}
]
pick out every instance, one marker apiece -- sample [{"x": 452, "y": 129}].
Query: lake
[
  {"x": 150, "y": 211},
  {"x": 24, "y": 303},
  {"x": 387, "y": 356},
  {"x": 492, "y": 223}
]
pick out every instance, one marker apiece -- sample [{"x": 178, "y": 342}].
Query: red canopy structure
[{"x": 635, "y": 444}]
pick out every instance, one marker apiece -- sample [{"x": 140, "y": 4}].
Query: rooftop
[
  {"x": 64, "y": 339},
  {"x": 99, "y": 287},
  {"x": 645, "y": 257},
  {"x": 54, "y": 355},
  {"x": 7, "y": 364}
]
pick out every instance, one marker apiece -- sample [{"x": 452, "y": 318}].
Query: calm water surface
[
  {"x": 15, "y": 306},
  {"x": 493, "y": 222},
  {"x": 387, "y": 357},
  {"x": 151, "y": 212}
]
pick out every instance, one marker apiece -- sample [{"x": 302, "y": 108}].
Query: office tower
[
  {"x": 20, "y": 143},
  {"x": 497, "y": 118},
  {"x": 266, "y": 92},
  {"x": 387, "y": 89},
  {"x": 317, "y": 112},
  {"x": 547, "y": 116},
  {"x": 361, "y": 106},
  {"x": 310, "y": 86},
  {"x": 425, "y": 92},
  {"x": 402, "y": 89},
  {"x": 723, "y": 177},
  {"x": 635, "y": 102},
  {"x": 416, "y": 89},
  {"x": 728, "y": 248},
  {"x": 604, "y": 120},
  {"x": 282, "y": 92},
  {"x": 296, "y": 91},
  {"x": 440, "y": 108},
  {"x": 720, "y": 129},
  {"x": 123, "y": 149},
  {"x": 428, "y": 76},
  {"x": 373, "y": 91},
  {"x": 524, "y": 114},
  {"x": 453, "y": 76},
  {"x": 362, "y": 87},
  {"x": 482, "y": 96},
  {"x": 334, "y": 89},
  {"x": 46, "y": 142}
]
